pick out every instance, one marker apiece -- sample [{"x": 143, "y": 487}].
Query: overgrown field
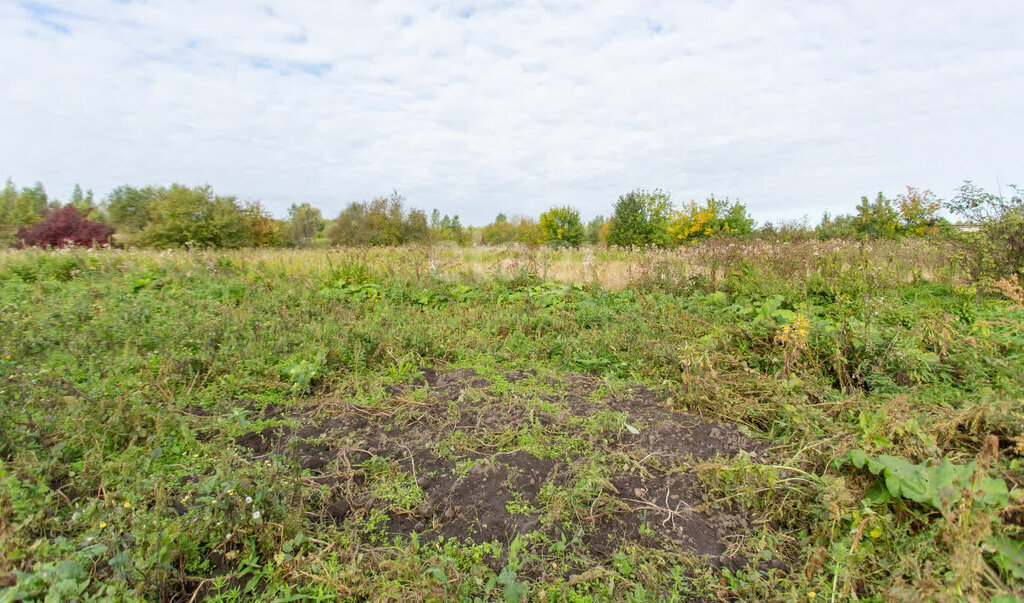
[{"x": 805, "y": 421}]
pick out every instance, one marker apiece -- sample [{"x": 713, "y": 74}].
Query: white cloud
[{"x": 482, "y": 107}]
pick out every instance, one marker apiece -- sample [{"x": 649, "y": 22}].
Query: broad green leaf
[
  {"x": 937, "y": 485},
  {"x": 1009, "y": 555}
]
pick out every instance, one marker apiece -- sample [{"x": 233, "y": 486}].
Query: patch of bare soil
[{"x": 487, "y": 463}]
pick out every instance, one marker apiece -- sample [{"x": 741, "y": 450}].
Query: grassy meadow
[{"x": 811, "y": 421}]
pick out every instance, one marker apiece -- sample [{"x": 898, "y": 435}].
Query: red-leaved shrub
[{"x": 62, "y": 227}]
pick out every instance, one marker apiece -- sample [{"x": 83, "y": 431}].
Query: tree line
[{"x": 184, "y": 216}]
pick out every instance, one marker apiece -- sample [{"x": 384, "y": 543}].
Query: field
[{"x": 744, "y": 421}]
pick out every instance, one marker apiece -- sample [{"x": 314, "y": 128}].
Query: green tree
[
  {"x": 641, "y": 218},
  {"x": 592, "y": 234},
  {"x": 518, "y": 229},
  {"x": 30, "y": 205},
  {"x": 417, "y": 230},
  {"x": 562, "y": 226},
  {"x": 84, "y": 203},
  {"x": 380, "y": 221},
  {"x": 262, "y": 230},
  {"x": 128, "y": 207},
  {"x": 450, "y": 229},
  {"x": 348, "y": 229},
  {"x": 183, "y": 216},
  {"x": 304, "y": 223},
  {"x": 713, "y": 217},
  {"x": 919, "y": 212},
  {"x": 876, "y": 219},
  {"x": 8, "y": 204},
  {"x": 838, "y": 227},
  {"x": 994, "y": 245}
]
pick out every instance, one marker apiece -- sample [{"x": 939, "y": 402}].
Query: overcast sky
[{"x": 793, "y": 107}]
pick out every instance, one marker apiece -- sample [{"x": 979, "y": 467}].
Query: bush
[
  {"x": 183, "y": 216},
  {"x": 262, "y": 230},
  {"x": 382, "y": 221},
  {"x": 128, "y": 207},
  {"x": 525, "y": 231},
  {"x": 63, "y": 227},
  {"x": 641, "y": 218},
  {"x": 304, "y": 223},
  {"x": 715, "y": 216},
  {"x": 876, "y": 219},
  {"x": 562, "y": 227},
  {"x": 993, "y": 243},
  {"x": 593, "y": 230},
  {"x": 919, "y": 213}
]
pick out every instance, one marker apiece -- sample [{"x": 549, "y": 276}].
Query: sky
[{"x": 793, "y": 107}]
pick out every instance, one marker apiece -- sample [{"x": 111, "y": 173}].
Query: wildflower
[
  {"x": 875, "y": 533},
  {"x": 812, "y": 594},
  {"x": 127, "y": 505},
  {"x": 103, "y": 524},
  {"x": 248, "y": 500},
  {"x": 231, "y": 492},
  {"x": 256, "y": 515}
]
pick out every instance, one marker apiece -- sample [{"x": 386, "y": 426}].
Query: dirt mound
[{"x": 459, "y": 456}]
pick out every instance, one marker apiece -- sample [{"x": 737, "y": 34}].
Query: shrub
[
  {"x": 381, "y": 221},
  {"x": 562, "y": 227},
  {"x": 63, "y": 227},
  {"x": 994, "y": 245},
  {"x": 592, "y": 234},
  {"x": 519, "y": 229},
  {"x": 304, "y": 223},
  {"x": 262, "y": 230},
  {"x": 641, "y": 218},
  {"x": 919, "y": 213},
  {"x": 715, "y": 216},
  {"x": 128, "y": 207},
  {"x": 180, "y": 216},
  {"x": 876, "y": 219}
]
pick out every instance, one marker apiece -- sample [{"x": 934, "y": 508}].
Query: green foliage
[
  {"x": 85, "y": 204},
  {"x": 383, "y": 221},
  {"x": 127, "y": 207},
  {"x": 1008, "y": 555},
  {"x": 876, "y": 219},
  {"x": 919, "y": 213},
  {"x": 715, "y": 216},
  {"x": 939, "y": 485},
  {"x": 562, "y": 227},
  {"x": 519, "y": 229},
  {"x": 915, "y": 213},
  {"x": 302, "y": 372},
  {"x": 641, "y": 218},
  {"x": 592, "y": 235},
  {"x": 129, "y": 377},
  {"x": 996, "y": 245},
  {"x": 261, "y": 229},
  {"x": 449, "y": 229},
  {"x": 180, "y": 216},
  {"x": 305, "y": 222},
  {"x": 21, "y": 208}
]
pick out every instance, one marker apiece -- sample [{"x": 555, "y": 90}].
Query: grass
[{"x": 271, "y": 424}]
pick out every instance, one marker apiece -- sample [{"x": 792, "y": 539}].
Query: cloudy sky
[{"x": 792, "y": 106}]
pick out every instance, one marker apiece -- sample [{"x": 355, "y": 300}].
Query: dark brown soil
[{"x": 624, "y": 480}]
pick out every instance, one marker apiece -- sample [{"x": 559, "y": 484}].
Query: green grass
[{"x": 125, "y": 378}]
